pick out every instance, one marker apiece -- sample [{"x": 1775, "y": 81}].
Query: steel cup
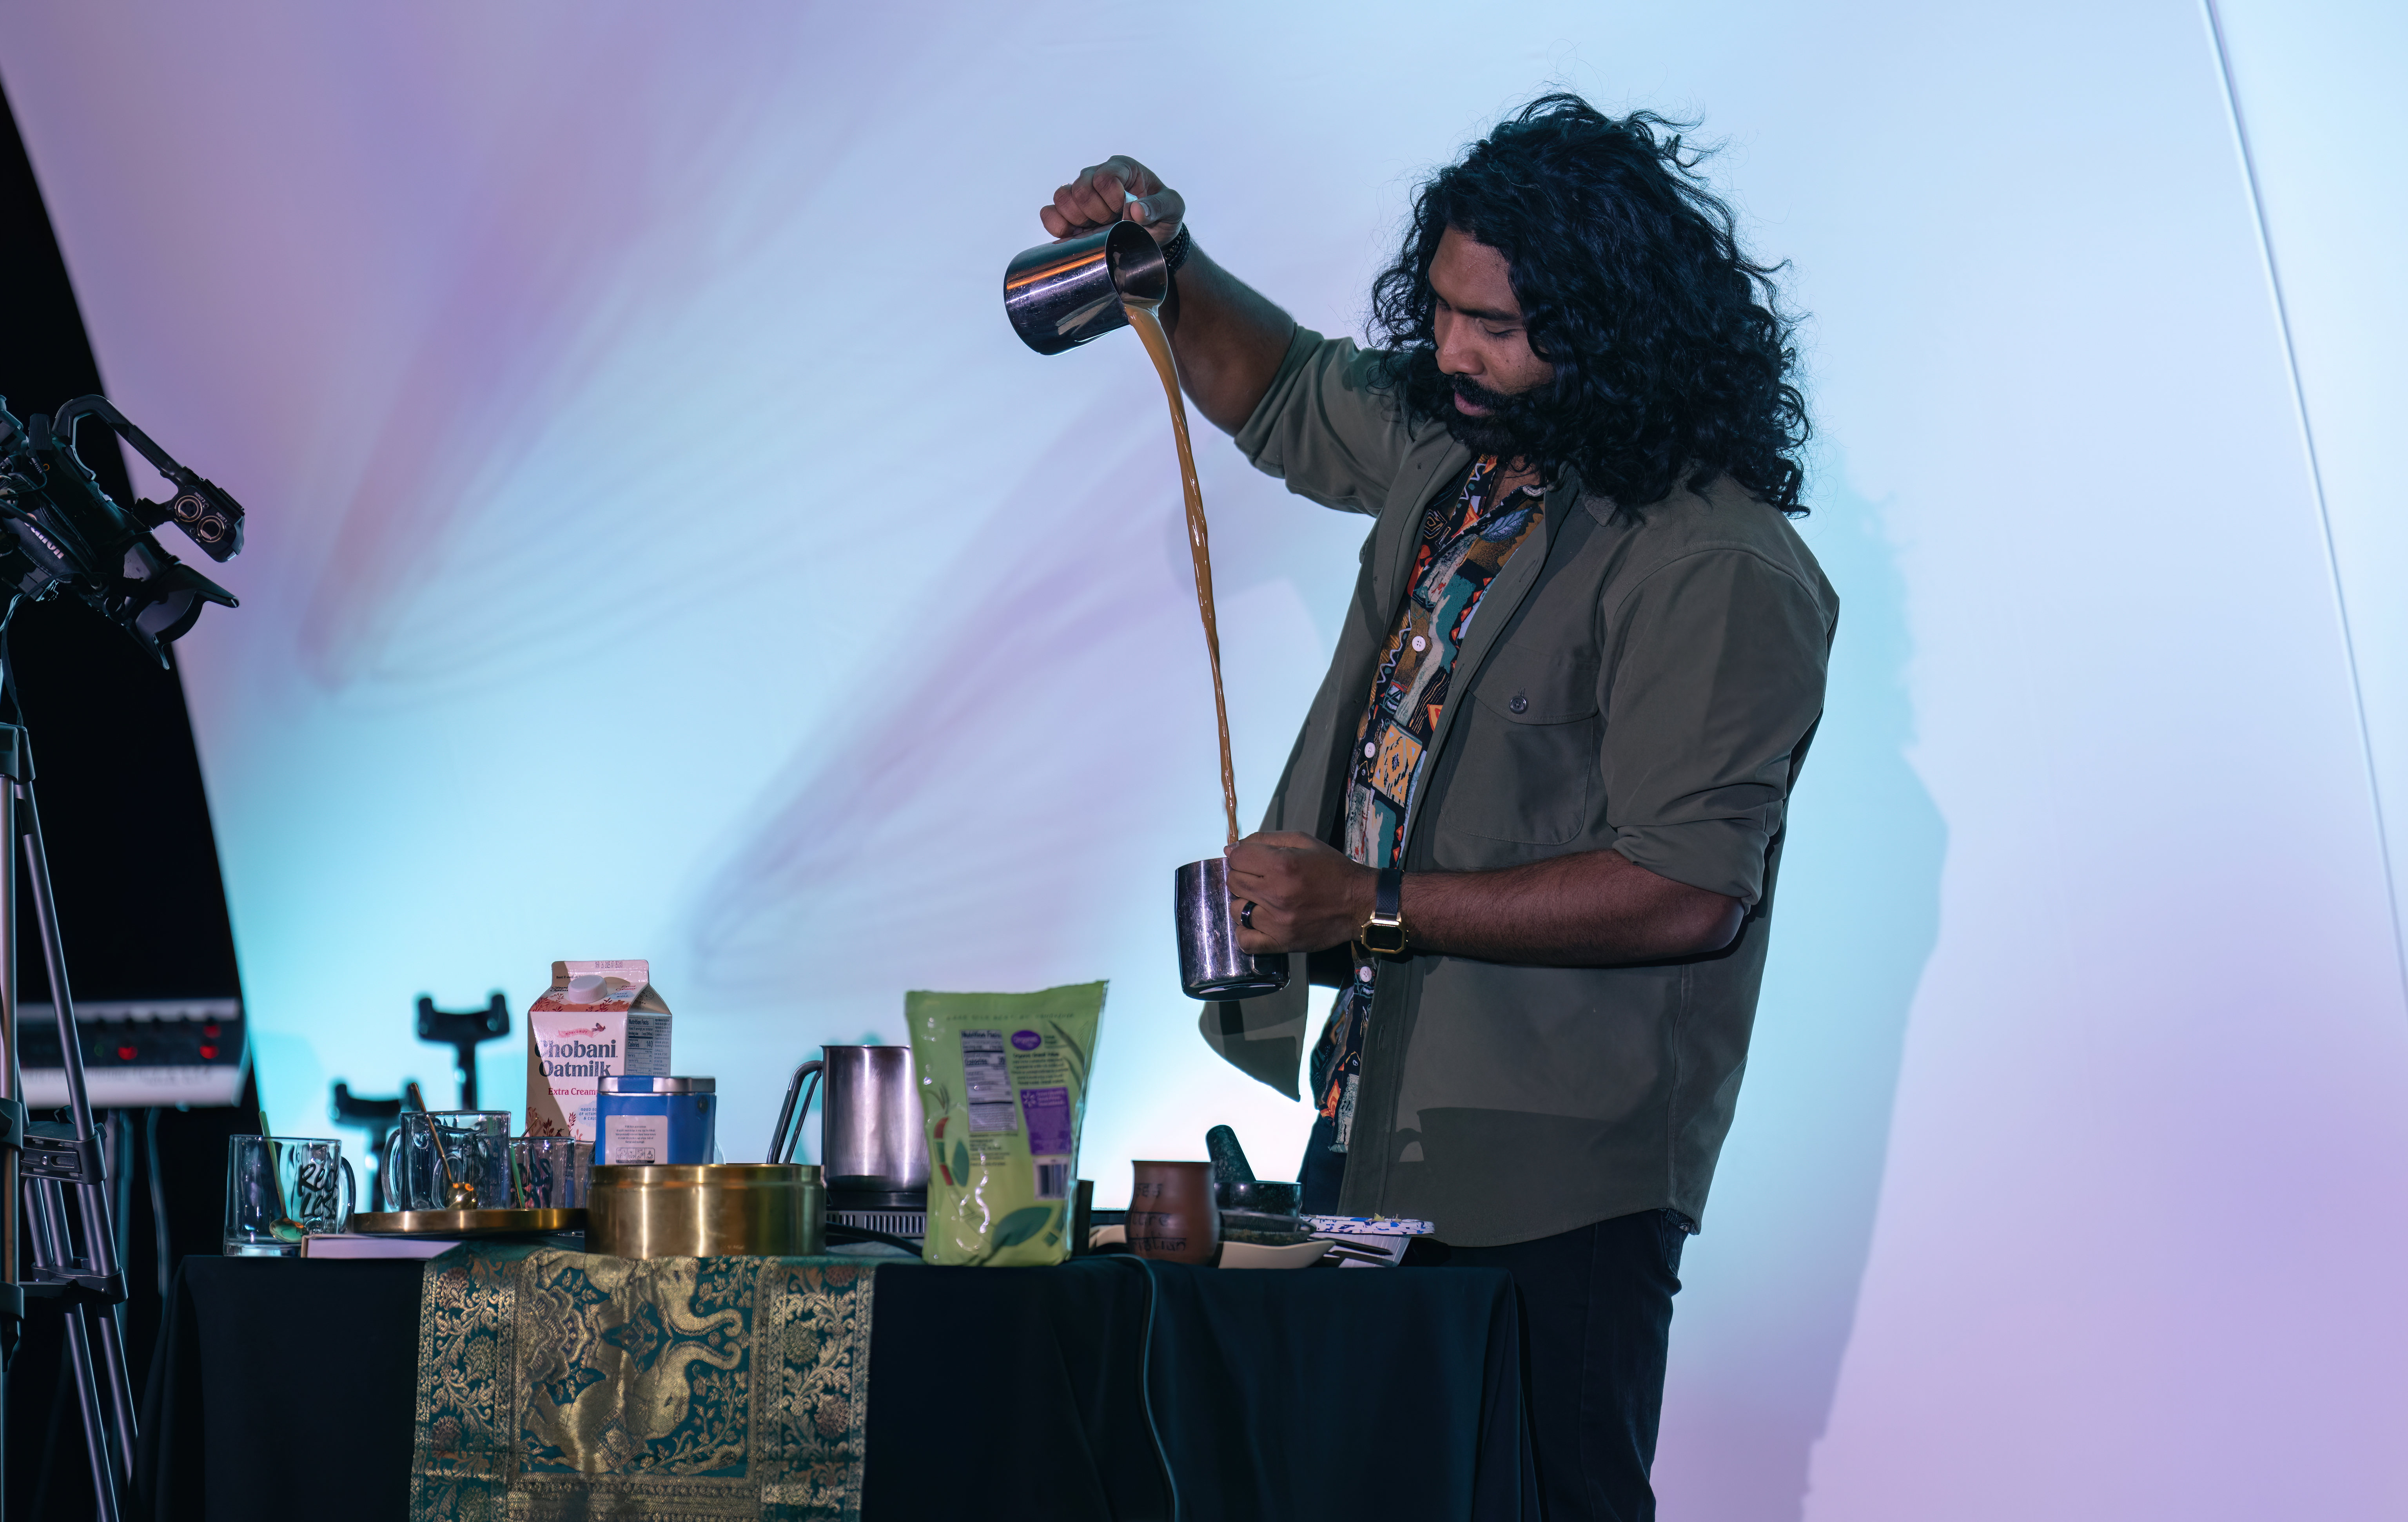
[
  {"x": 871, "y": 1135},
  {"x": 1210, "y": 965},
  {"x": 873, "y": 1140},
  {"x": 1060, "y": 295}
]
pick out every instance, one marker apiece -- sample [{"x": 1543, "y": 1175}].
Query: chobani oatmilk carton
[{"x": 600, "y": 1020}]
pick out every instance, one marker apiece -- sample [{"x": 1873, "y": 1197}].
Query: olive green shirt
[{"x": 1641, "y": 681}]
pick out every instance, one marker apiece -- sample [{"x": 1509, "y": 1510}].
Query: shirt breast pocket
[{"x": 1527, "y": 767}]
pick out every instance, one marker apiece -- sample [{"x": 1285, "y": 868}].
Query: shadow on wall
[
  {"x": 907, "y": 844},
  {"x": 1772, "y": 1287},
  {"x": 574, "y": 223}
]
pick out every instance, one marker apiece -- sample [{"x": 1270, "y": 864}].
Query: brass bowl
[{"x": 712, "y": 1210}]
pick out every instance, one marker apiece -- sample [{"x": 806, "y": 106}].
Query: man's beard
[{"x": 1513, "y": 424}]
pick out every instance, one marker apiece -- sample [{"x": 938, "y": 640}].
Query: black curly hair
[{"x": 1672, "y": 354}]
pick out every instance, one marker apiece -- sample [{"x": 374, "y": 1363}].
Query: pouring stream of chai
[{"x": 1144, "y": 318}]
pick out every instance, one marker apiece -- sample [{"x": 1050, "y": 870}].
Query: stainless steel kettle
[{"x": 872, "y": 1139}]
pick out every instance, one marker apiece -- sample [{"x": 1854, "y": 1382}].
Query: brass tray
[{"x": 466, "y": 1223}]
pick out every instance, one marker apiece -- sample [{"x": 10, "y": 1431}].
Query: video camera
[{"x": 58, "y": 529}]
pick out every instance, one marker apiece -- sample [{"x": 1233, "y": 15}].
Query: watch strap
[{"x": 1384, "y": 932}]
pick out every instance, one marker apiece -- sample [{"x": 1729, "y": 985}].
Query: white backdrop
[{"x": 662, "y": 547}]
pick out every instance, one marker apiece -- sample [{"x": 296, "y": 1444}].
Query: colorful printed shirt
[{"x": 1460, "y": 553}]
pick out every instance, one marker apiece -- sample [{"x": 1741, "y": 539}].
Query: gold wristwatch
[{"x": 1384, "y": 932}]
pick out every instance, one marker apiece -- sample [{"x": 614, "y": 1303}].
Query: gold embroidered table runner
[{"x": 555, "y": 1384}]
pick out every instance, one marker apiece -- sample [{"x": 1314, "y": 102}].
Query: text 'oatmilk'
[{"x": 600, "y": 1020}]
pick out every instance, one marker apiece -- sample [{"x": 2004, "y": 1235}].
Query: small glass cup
[
  {"x": 548, "y": 1173},
  {"x": 281, "y": 1189},
  {"x": 431, "y": 1151}
]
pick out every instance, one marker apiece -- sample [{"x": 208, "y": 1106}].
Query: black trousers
[{"x": 1596, "y": 1318}]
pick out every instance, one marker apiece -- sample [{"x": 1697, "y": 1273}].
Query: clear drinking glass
[
  {"x": 432, "y": 1150},
  {"x": 281, "y": 1189},
  {"x": 548, "y": 1173}
]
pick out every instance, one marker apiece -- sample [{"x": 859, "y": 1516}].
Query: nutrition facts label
[{"x": 988, "y": 1077}]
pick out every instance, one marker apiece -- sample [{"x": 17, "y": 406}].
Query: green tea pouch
[{"x": 1003, "y": 1084}]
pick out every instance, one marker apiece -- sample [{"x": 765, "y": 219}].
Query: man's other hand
[
  {"x": 1099, "y": 195},
  {"x": 1307, "y": 897}
]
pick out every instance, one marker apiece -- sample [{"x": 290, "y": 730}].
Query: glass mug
[
  {"x": 548, "y": 1173},
  {"x": 430, "y": 1151},
  {"x": 281, "y": 1189}
]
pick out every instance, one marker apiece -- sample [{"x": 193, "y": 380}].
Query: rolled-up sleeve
[
  {"x": 1720, "y": 687},
  {"x": 1326, "y": 429}
]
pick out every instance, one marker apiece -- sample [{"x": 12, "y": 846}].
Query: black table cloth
[{"x": 287, "y": 1388}]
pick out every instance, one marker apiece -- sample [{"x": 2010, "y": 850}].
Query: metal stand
[{"x": 74, "y": 1263}]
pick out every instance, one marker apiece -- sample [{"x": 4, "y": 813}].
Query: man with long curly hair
[{"x": 1531, "y": 826}]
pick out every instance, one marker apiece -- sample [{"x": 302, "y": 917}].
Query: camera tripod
[
  {"x": 75, "y": 1270},
  {"x": 61, "y": 532}
]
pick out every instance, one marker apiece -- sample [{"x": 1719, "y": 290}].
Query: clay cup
[{"x": 1173, "y": 1216}]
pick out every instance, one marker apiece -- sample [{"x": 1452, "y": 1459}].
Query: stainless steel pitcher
[
  {"x": 871, "y": 1135},
  {"x": 1059, "y": 295}
]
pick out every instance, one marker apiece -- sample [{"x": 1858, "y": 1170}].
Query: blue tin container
[{"x": 655, "y": 1120}]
